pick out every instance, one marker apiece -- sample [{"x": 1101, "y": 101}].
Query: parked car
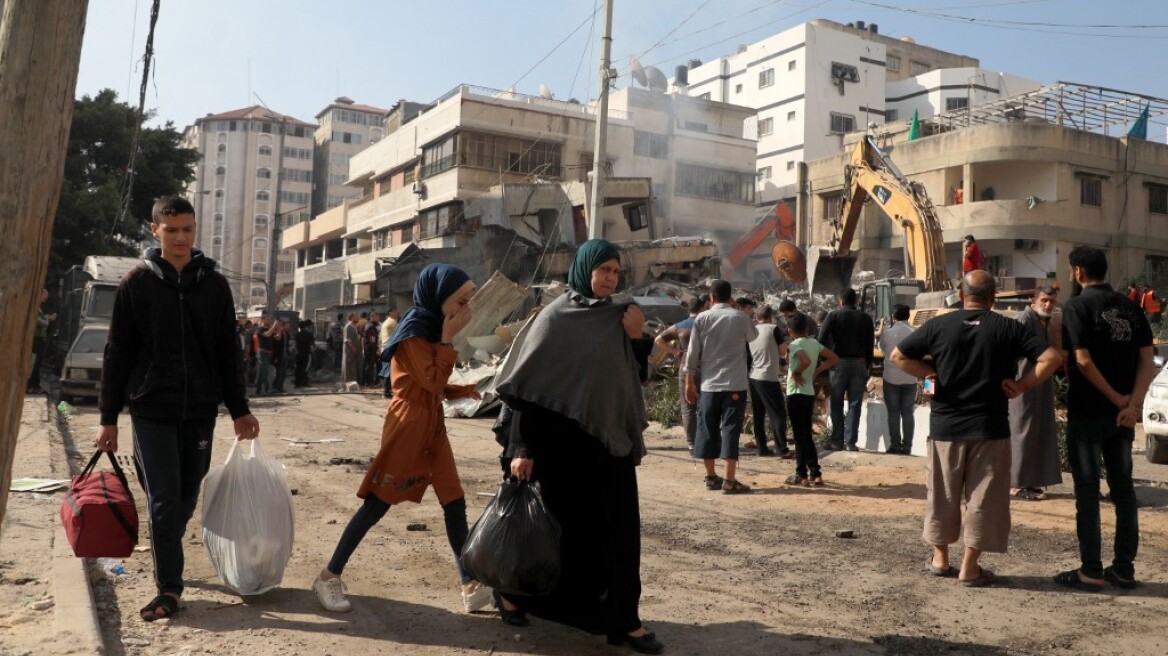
[{"x": 81, "y": 376}]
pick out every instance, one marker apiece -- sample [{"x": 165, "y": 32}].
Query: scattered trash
[
  {"x": 66, "y": 408},
  {"x": 43, "y": 604},
  {"x": 344, "y": 460},
  {"x": 415, "y": 526},
  {"x": 845, "y": 534},
  {"x": 37, "y": 485},
  {"x": 111, "y": 566},
  {"x": 323, "y": 440},
  {"x": 295, "y": 491}
]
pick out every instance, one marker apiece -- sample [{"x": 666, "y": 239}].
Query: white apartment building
[
  {"x": 950, "y": 90},
  {"x": 677, "y": 166},
  {"x": 255, "y": 176},
  {"x": 811, "y": 85},
  {"x": 344, "y": 129}
]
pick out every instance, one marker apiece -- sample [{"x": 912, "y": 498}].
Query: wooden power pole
[{"x": 40, "y": 51}]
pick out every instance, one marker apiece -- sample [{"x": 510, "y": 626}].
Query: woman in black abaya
[{"x": 574, "y": 386}]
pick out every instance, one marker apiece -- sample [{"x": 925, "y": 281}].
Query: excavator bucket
[
  {"x": 829, "y": 273},
  {"x": 789, "y": 261}
]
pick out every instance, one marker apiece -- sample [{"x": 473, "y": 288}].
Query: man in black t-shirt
[
  {"x": 850, "y": 334},
  {"x": 1110, "y": 346},
  {"x": 972, "y": 356}
]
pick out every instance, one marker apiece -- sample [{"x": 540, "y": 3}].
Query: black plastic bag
[{"x": 514, "y": 547}]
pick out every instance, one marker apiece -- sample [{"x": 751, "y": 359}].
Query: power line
[
  {"x": 557, "y": 46},
  {"x": 674, "y": 30},
  {"x": 934, "y": 13}
]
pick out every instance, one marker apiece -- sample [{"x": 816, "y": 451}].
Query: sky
[{"x": 296, "y": 56}]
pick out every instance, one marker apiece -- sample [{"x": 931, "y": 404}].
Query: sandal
[
  {"x": 946, "y": 571},
  {"x": 734, "y": 487},
  {"x": 163, "y": 602},
  {"x": 1072, "y": 579},
  {"x": 795, "y": 479},
  {"x": 1111, "y": 577},
  {"x": 984, "y": 577},
  {"x": 1028, "y": 494},
  {"x": 714, "y": 482}
]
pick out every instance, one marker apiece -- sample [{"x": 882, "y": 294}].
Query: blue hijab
[{"x": 434, "y": 285}]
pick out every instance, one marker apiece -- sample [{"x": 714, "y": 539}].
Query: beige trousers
[{"x": 976, "y": 473}]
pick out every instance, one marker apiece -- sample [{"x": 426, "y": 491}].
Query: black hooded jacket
[{"x": 173, "y": 351}]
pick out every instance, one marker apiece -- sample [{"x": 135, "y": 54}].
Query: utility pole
[
  {"x": 595, "y": 222},
  {"x": 40, "y": 50}
]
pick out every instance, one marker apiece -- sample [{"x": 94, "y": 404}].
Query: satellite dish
[
  {"x": 545, "y": 92},
  {"x": 638, "y": 71},
  {"x": 656, "y": 79}
]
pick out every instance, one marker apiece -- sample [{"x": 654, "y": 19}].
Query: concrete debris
[
  {"x": 482, "y": 376},
  {"x": 492, "y": 304}
]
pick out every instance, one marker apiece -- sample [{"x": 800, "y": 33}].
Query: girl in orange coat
[{"x": 415, "y": 451}]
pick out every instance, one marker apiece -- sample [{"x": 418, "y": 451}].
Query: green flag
[{"x": 914, "y": 130}]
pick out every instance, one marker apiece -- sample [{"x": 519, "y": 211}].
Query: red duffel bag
[{"x": 99, "y": 514}]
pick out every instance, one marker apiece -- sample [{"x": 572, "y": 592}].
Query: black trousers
[
  {"x": 766, "y": 402},
  {"x": 594, "y": 496},
  {"x": 301, "y": 379}
]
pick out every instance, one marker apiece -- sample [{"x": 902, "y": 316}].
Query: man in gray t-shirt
[
  {"x": 717, "y": 350},
  {"x": 766, "y": 386}
]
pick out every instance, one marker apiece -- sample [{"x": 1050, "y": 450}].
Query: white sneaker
[
  {"x": 331, "y": 595},
  {"x": 476, "y": 599}
]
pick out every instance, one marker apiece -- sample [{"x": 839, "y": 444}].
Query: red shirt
[{"x": 972, "y": 258}]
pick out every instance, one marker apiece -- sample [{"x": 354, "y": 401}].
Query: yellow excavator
[{"x": 870, "y": 174}]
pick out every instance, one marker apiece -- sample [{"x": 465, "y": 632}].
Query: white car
[
  {"x": 1156, "y": 418},
  {"x": 81, "y": 375}
]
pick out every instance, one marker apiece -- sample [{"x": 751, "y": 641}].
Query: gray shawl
[{"x": 575, "y": 359}]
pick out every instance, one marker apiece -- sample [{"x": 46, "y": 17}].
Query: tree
[
  {"x": 40, "y": 49},
  {"x": 89, "y": 220}
]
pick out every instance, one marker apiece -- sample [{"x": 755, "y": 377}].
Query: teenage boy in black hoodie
[{"x": 173, "y": 354}]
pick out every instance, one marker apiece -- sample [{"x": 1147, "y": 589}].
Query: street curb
[{"x": 74, "y": 611}]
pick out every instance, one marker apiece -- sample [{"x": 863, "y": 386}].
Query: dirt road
[{"x": 752, "y": 574}]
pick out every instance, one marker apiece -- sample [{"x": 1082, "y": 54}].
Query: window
[
  {"x": 637, "y": 216},
  {"x": 650, "y": 144},
  {"x": 918, "y": 68},
  {"x": 790, "y": 116},
  {"x": 333, "y": 201},
  {"x": 842, "y": 123},
  {"x": 336, "y": 179},
  {"x": 790, "y": 165},
  {"x": 338, "y": 159},
  {"x": 510, "y": 154},
  {"x": 221, "y": 148},
  {"x": 1091, "y": 191},
  {"x": 296, "y": 175},
  {"x": 297, "y": 153},
  {"x": 764, "y": 173},
  {"x": 737, "y": 88},
  {"x": 831, "y": 205},
  {"x": 766, "y": 78},
  {"x": 263, "y": 195},
  {"x": 295, "y": 197},
  {"x": 220, "y": 170},
  {"x": 892, "y": 63},
  {"x": 260, "y": 244},
  {"x": 445, "y": 220},
  {"x": 715, "y": 184},
  {"x": 261, "y": 221},
  {"x": 766, "y": 126},
  {"x": 694, "y": 126},
  {"x": 347, "y": 137},
  {"x": 956, "y": 103},
  {"x": 218, "y": 193},
  {"x": 890, "y": 115},
  {"x": 264, "y": 173},
  {"x": 791, "y": 65},
  {"x": 438, "y": 157},
  {"x": 265, "y": 151},
  {"x": 258, "y": 292},
  {"x": 259, "y": 269},
  {"x": 1158, "y": 199},
  {"x": 216, "y": 242},
  {"x": 285, "y": 267}
]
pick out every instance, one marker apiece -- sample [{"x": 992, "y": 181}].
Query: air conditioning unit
[
  {"x": 1028, "y": 245},
  {"x": 418, "y": 188}
]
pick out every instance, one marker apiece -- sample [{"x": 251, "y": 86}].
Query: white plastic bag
[{"x": 248, "y": 522}]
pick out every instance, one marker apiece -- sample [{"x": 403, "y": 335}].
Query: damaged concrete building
[
  {"x": 1039, "y": 173},
  {"x": 499, "y": 181}
]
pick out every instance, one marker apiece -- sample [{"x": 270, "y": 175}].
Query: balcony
[
  {"x": 372, "y": 213},
  {"x": 295, "y": 236}
]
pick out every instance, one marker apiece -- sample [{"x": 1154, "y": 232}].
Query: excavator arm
[{"x": 870, "y": 174}]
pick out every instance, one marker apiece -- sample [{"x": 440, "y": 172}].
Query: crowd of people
[{"x": 575, "y": 414}]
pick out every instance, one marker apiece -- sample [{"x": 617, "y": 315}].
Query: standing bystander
[
  {"x": 899, "y": 388},
  {"x": 353, "y": 358},
  {"x": 675, "y": 340},
  {"x": 974, "y": 357},
  {"x": 850, "y": 334},
  {"x": 305, "y": 342},
  {"x": 808, "y": 358},
  {"x": 766, "y": 387},
  {"x": 1110, "y": 368},
  {"x": 716, "y": 348},
  {"x": 39, "y": 340},
  {"x": 1034, "y": 461}
]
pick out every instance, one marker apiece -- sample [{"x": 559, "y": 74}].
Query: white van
[
  {"x": 81, "y": 375},
  {"x": 1156, "y": 418}
]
